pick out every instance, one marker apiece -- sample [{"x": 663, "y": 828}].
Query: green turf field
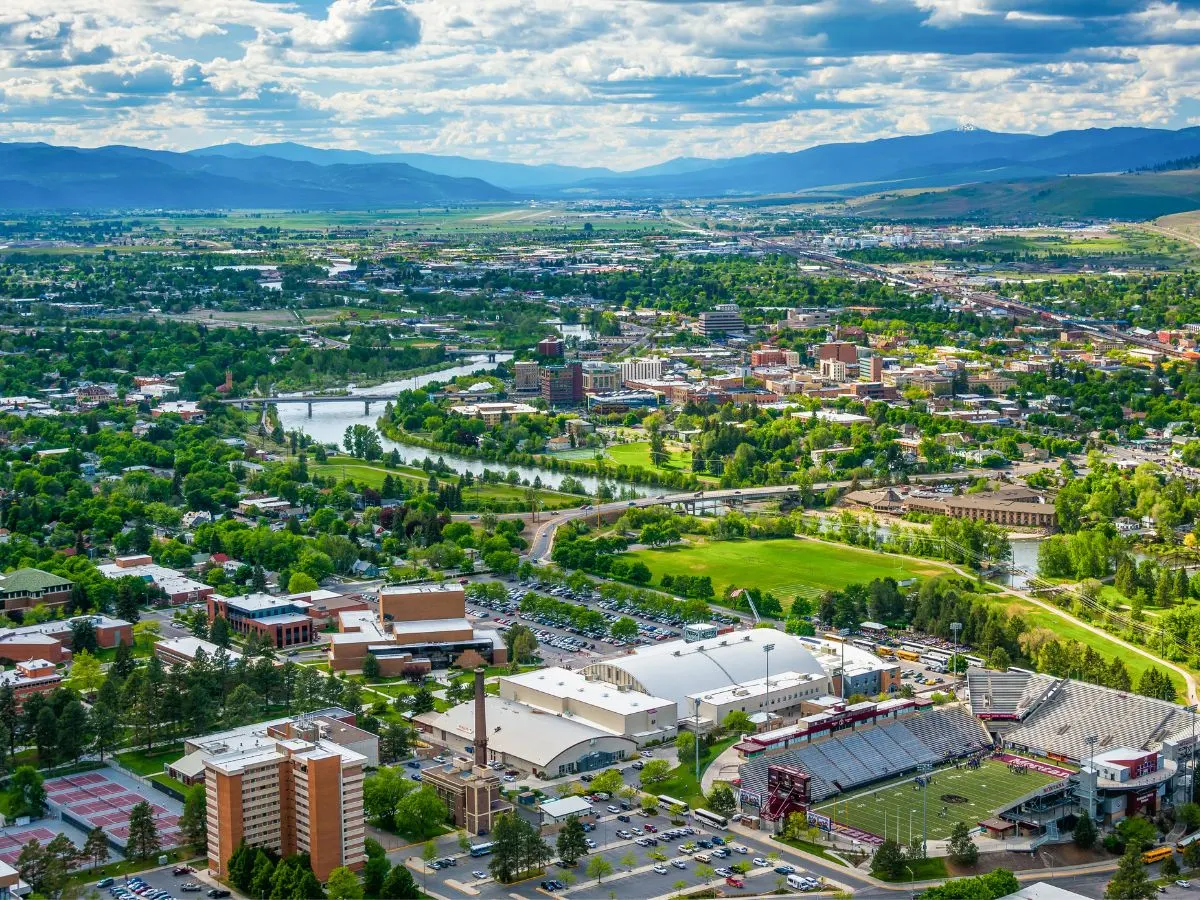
[
  {"x": 785, "y": 566},
  {"x": 987, "y": 789}
]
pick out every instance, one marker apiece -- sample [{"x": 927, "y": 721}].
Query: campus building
[
  {"x": 467, "y": 785},
  {"x": 34, "y": 676},
  {"x": 300, "y": 794},
  {"x": 178, "y": 587},
  {"x": 418, "y": 628},
  {"x": 525, "y": 377},
  {"x": 284, "y": 621},
  {"x": 23, "y": 588},
  {"x": 562, "y": 385},
  {"x": 51, "y": 641}
]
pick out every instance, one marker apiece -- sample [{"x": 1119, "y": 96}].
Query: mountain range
[{"x": 289, "y": 175}]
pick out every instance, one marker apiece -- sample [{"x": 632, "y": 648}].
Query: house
[{"x": 364, "y": 569}]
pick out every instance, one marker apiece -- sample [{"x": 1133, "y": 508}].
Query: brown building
[
  {"x": 469, "y": 788},
  {"x": 1008, "y": 506},
  {"x": 292, "y": 795},
  {"x": 283, "y": 621},
  {"x": 551, "y": 347},
  {"x": 768, "y": 357},
  {"x": 23, "y": 588},
  {"x": 418, "y": 628},
  {"x": 562, "y": 385},
  {"x": 51, "y": 641},
  {"x": 33, "y": 676},
  {"x": 525, "y": 377},
  {"x": 842, "y": 351}
]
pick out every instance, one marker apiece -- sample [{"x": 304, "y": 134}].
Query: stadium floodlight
[
  {"x": 955, "y": 628},
  {"x": 767, "y": 648}
]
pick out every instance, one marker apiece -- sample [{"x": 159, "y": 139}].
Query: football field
[{"x": 956, "y": 795}]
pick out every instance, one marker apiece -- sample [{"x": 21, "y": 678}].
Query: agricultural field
[
  {"x": 977, "y": 793},
  {"x": 786, "y": 566}
]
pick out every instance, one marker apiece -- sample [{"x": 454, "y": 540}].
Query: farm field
[
  {"x": 784, "y": 566},
  {"x": 989, "y": 788}
]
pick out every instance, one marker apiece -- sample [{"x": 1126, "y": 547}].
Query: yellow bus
[
  {"x": 1158, "y": 853},
  {"x": 910, "y": 655}
]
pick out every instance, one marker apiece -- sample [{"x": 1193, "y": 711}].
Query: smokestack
[{"x": 480, "y": 720}]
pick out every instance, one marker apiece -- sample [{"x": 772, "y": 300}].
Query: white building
[
  {"x": 639, "y": 370},
  {"x": 780, "y": 695}
]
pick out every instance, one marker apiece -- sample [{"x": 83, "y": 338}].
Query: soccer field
[{"x": 989, "y": 788}]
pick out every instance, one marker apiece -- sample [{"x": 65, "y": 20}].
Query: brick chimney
[{"x": 481, "y": 758}]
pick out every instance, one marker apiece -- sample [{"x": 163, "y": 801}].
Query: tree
[
  {"x": 218, "y": 632},
  {"x": 26, "y": 796},
  {"x": 193, "y": 824},
  {"x": 422, "y": 701},
  {"x": 654, "y": 771},
  {"x": 394, "y": 742},
  {"x": 572, "y": 841},
  {"x": 243, "y": 705},
  {"x": 963, "y": 851},
  {"x": 1084, "y": 834},
  {"x": 706, "y": 872},
  {"x": 685, "y": 747},
  {"x": 598, "y": 867},
  {"x": 33, "y": 865},
  {"x": 517, "y": 848},
  {"x": 46, "y": 736},
  {"x": 722, "y": 800},
  {"x": 382, "y": 793},
  {"x": 95, "y": 848},
  {"x": 374, "y": 873},
  {"x": 261, "y": 876},
  {"x": 73, "y": 737},
  {"x": 343, "y": 885},
  {"x": 399, "y": 884},
  {"x": 1130, "y": 881},
  {"x": 370, "y": 666},
  {"x": 105, "y": 724},
  {"x": 607, "y": 782},
  {"x": 300, "y": 582},
  {"x": 1137, "y": 833},
  {"x": 1169, "y": 868},
  {"x": 888, "y": 860},
  {"x": 87, "y": 673},
  {"x": 428, "y": 854},
  {"x": 420, "y": 813},
  {"x": 629, "y": 860},
  {"x": 625, "y": 629},
  {"x": 142, "y": 842},
  {"x": 1191, "y": 855},
  {"x": 521, "y": 642},
  {"x": 146, "y": 634},
  {"x": 737, "y": 722},
  {"x": 123, "y": 662}
]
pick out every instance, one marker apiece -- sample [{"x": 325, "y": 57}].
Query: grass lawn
[
  {"x": 920, "y": 870},
  {"x": 1036, "y": 617},
  {"x": 173, "y": 783},
  {"x": 784, "y": 566},
  {"x": 638, "y": 454},
  {"x": 142, "y": 763},
  {"x": 809, "y": 847},
  {"x": 681, "y": 781},
  {"x": 987, "y": 789}
]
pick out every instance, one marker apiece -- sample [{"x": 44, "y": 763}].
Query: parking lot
[
  {"x": 162, "y": 884},
  {"x": 666, "y": 855}
]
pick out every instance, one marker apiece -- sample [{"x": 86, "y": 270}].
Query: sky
[{"x": 618, "y": 83}]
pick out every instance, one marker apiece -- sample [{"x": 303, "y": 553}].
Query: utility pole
[{"x": 955, "y": 628}]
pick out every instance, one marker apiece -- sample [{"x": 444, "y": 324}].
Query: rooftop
[
  {"x": 30, "y": 580},
  {"x": 258, "y": 601},
  {"x": 559, "y": 682}
]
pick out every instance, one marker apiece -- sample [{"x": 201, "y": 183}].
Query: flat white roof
[
  {"x": 190, "y": 646},
  {"x": 566, "y": 806},
  {"x": 169, "y": 580},
  {"x": 260, "y": 601},
  {"x": 559, "y": 682},
  {"x": 421, "y": 626},
  {"x": 758, "y": 688}
]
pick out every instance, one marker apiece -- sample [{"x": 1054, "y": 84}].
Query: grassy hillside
[{"x": 1132, "y": 197}]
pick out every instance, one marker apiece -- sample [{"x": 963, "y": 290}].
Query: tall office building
[
  {"x": 726, "y": 318},
  {"x": 643, "y": 369},
  {"x": 525, "y": 377},
  {"x": 562, "y": 385},
  {"x": 294, "y": 795}
]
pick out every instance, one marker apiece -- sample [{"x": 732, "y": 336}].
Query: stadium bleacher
[{"x": 854, "y": 758}]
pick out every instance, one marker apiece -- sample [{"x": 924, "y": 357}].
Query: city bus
[
  {"x": 1158, "y": 853},
  {"x": 1187, "y": 841},
  {"x": 937, "y": 661},
  {"x": 862, "y": 644},
  {"x": 710, "y": 818},
  {"x": 482, "y": 849},
  {"x": 671, "y": 803}
]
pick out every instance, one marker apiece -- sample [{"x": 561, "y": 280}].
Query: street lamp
[
  {"x": 955, "y": 628},
  {"x": 1091, "y": 740},
  {"x": 767, "y": 648}
]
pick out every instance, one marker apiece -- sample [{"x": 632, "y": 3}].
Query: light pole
[
  {"x": 696, "y": 726},
  {"x": 1091, "y": 740},
  {"x": 912, "y": 883},
  {"x": 767, "y": 648},
  {"x": 925, "y": 769},
  {"x": 910, "y": 815},
  {"x": 955, "y": 628}
]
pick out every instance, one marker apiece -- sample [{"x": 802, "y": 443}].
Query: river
[{"x": 330, "y": 420}]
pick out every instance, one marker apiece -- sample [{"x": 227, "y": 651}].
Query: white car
[
  {"x": 660, "y": 869},
  {"x": 738, "y": 848},
  {"x": 759, "y": 861},
  {"x": 479, "y": 873},
  {"x": 614, "y": 809},
  {"x": 591, "y": 844},
  {"x": 679, "y": 863}
]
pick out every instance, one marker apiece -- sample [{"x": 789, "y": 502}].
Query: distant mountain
[
  {"x": 44, "y": 176},
  {"x": 944, "y": 157},
  {"x": 511, "y": 176},
  {"x": 1139, "y": 196}
]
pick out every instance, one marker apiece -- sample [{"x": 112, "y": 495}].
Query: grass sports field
[
  {"x": 786, "y": 567},
  {"x": 987, "y": 789}
]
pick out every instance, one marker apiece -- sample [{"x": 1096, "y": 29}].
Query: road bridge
[{"x": 365, "y": 399}]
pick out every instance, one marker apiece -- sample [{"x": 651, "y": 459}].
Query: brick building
[
  {"x": 562, "y": 385},
  {"x": 284, "y": 621},
  {"x": 23, "y": 588}
]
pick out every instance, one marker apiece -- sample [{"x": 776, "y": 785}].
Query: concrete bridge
[{"x": 365, "y": 399}]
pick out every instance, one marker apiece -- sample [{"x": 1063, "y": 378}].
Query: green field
[
  {"x": 987, "y": 789},
  {"x": 783, "y": 566}
]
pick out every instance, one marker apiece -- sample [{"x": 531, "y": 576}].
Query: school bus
[
  {"x": 910, "y": 655},
  {"x": 1158, "y": 853}
]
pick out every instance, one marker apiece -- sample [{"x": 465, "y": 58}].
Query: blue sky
[{"x": 587, "y": 82}]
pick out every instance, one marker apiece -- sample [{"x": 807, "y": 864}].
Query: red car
[
  {"x": 652, "y": 829},
  {"x": 735, "y": 882}
]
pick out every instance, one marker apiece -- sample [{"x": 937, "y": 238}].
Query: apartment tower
[{"x": 297, "y": 795}]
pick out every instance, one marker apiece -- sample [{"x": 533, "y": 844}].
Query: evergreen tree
[
  {"x": 46, "y": 736},
  {"x": 143, "y": 833},
  {"x": 95, "y": 848},
  {"x": 73, "y": 737},
  {"x": 193, "y": 824},
  {"x": 888, "y": 860},
  {"x": 308, "y": 888},
  {"x": 400, "y": 885},
  {"x": 123, "y": 663},
  {"x": 1084, "y": 834},
  {"x": 1130, "y": 881},
  {"x": 218, "y": 632},
  {"x": 370, "y": 667},
  {"x": 962, "y": 849},
  {"x": 572, "y": 841}
]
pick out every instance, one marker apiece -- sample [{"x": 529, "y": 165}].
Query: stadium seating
[{"x": 855, "y": 758}]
